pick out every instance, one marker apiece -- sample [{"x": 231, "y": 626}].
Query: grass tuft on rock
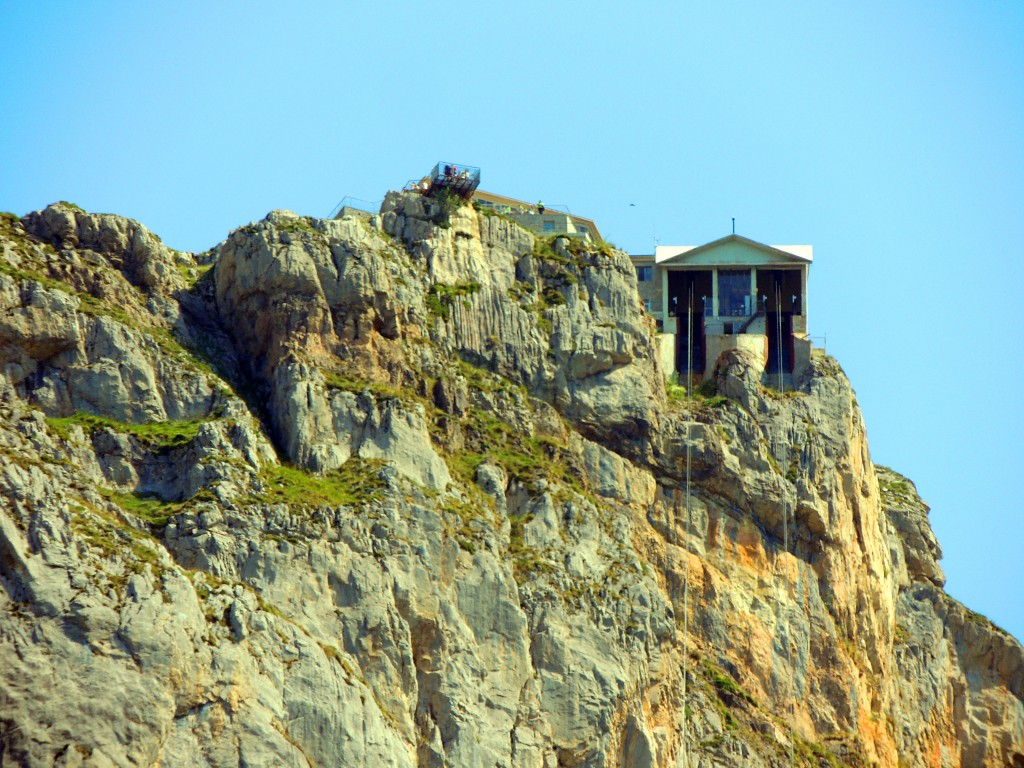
[
  {"x": 356, "y": 482},
  {"x": 442, "y": 297},
  {"x": 146, "y": 506},
  {"x": 159, "y": 435}
]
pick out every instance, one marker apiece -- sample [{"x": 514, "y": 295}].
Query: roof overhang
[{"x": 732, "y": 250}]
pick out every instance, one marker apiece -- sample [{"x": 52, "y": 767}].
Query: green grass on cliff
[
  {"x": 774, "y": 394},
  {"x": 895, "y": 489},
  {"x": 524, "y": 457},
  {"x": 487, "y": 381},
  {"x": 703, "y": 395},
  {"x": 356, "y": 482},
  {"x": 193, "y": 274},
  {"x": 491, "y": 213},
  {"x": 112, "y": 538},
  {"x": 345, "y": 383},
  {"x": 35, "y": 276},
  {"x": 727, "y": 688},
  {"x": 297, "y": 225},
  {"x": 148, "y": 507},
  {"x": 826, "y": 753},
  {"x": 526, "y": 561},
  {"x": 441, "y": 297},
  {"x": 159, "y": 435}
]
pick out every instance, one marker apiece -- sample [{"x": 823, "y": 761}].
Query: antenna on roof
[{"x": 734, "y": 225}]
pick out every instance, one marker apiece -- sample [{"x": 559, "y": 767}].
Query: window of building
[
  {"x": 584, "y": 230},
  {"x": 734, "y": 292},
  {"x": 648, "y": 304},
  {"x": 549, "y": 226},
  {"x": 645, "y": 274}
]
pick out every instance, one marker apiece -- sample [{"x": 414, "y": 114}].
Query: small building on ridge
[
  {"x": 537, "y": 218},
  {"x": 732, "y": 293}
]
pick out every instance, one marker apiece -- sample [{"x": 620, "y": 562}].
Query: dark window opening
[{"x": 734, "y": 293}]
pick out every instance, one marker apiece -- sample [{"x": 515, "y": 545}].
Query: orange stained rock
[
  {"x": 749, "y": 547},
  {"x": 753, "y": 641}
]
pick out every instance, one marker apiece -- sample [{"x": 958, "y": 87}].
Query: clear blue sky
[{"x": 890, "y": 136}]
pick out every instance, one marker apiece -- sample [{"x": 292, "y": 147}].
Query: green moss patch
[
  {"x": 356, "y": 385},
  {"x": 160, "y": 435},
  {"x": 356, "y": 482},
  {"x": 442, "y": 297},
  {"x": 149, "y": 507},
  {"x": 193, "y": 274},
  {"x": 727, "y": 689},
  {"x": 524, "y": 457}
]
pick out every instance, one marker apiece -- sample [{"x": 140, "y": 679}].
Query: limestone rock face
[
  {"x": 408, "y": 490},
  {"x": 908, "y": 515},
  {"x": 126, "y": 244},
  {"x": 566, "y": 323}
]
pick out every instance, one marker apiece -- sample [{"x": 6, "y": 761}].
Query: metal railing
[
  {"x": 749, "y": 308},
  {"x": 461, "y": 178},
  {"x": 347, "y": 201},
  {"x": 746, "y": 307},
  {"x": 524, "y": 209}
]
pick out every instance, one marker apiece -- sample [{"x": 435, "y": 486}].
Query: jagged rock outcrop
[
  {"x": 965, "y": 675},
  {"x": 918, "y": 549},
  {"x": 409, "y": 489},
  {"x": 303, "y": 297}
]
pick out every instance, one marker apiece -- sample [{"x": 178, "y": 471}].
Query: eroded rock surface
[{"x": 404, "y": 490}]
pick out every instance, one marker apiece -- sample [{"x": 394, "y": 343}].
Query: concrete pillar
[
  {"x": 664, "y": 299},
  {"x": 714, "y": 291},
  {"x": 803, "y": 292},
  {"x": 753, "y": 290}
]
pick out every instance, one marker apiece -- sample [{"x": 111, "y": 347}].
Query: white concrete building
[{"x": 728, "y": 294}]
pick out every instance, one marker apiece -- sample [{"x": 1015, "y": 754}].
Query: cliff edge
[{"x": 409, "y": 490}]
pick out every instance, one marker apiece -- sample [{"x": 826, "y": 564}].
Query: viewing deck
[{"x": 462, "y": 179}]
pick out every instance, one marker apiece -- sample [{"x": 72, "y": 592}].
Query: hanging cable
[
  {"x": 789, "y": 645},
  {"x": 782, "y": 448},
  {"x": 778, "y": 336},
  {"x": 686, "y": 548}
]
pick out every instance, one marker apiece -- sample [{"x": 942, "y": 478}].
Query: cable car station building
[{"x": 733, "y": 293}]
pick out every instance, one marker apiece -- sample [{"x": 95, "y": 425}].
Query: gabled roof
[{"x": 729, "y": 249}]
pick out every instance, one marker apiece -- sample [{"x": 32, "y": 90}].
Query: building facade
[
  {"x": 733, "y": 293},
  {"x": 537, "y": 218}
]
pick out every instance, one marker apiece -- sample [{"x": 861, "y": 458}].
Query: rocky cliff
[{"x": 410, "y": 489}]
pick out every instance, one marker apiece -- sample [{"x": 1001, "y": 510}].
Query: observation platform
[{"x": 461, "y": 179}]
